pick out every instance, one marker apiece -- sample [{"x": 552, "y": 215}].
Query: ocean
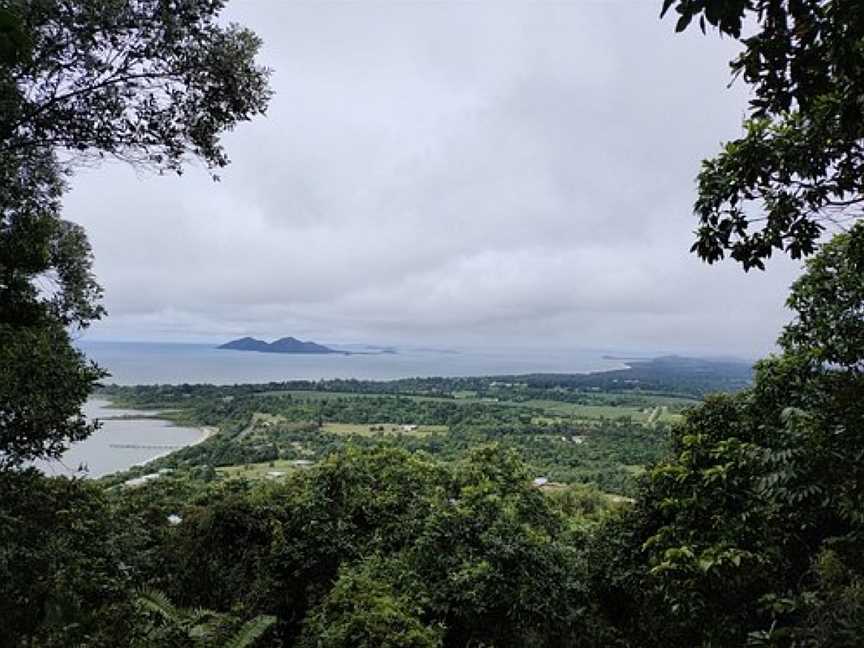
[{"x": 132, "y": 363}]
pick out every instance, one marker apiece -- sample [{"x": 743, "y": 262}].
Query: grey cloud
[{"x": 446, "y": 173}]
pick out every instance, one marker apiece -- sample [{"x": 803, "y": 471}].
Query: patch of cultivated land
[
  {"x": 382, "y": 429},
  {"x": 639, "y": 414},
  {"x": 264, "y": 470},
  {"x": 328, "y": 395},
  {"x": 661, "y": 408}
]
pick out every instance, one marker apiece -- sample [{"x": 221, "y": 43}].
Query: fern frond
[
  {"x": 250, "y": 632},
  {"x": 197, "y": 614},
  {"x": 157, "y": 602}
]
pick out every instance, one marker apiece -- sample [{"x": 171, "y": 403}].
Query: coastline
[{"x": 207, "y": 431}]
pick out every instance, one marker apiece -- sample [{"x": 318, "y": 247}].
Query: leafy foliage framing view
[
  {"x": 745, "y": 528},
  {"x": 148, "y": 82},
  {"x": 798, "y": 169}
]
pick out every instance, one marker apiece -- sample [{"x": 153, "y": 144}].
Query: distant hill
[
  {"x": 671, "y": 374},
  {"x": 282, "y": 345}
]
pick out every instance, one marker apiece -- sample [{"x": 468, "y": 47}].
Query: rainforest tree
[
  {"x": 752, "y": 530},
  {"x": 798, "y": 169},
  {"x": 149, "y": 82}
]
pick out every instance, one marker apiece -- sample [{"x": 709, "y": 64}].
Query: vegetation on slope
[{"x": 562, "y": 441}]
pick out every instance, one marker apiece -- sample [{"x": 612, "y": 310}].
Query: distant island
[{"x": 282, "y": 345}]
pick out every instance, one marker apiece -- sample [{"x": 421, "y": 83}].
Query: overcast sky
[{"x": 449, "y": 174}]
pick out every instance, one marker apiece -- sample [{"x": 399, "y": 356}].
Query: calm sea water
[
  {"x": 104, "y": 452},
  {"x": 133, "y": 363}
]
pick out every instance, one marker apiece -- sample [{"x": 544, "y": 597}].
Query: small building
[{"x": 540, "y": 481}]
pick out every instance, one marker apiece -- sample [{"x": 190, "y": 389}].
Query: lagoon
[{"x": 108, "y": 449}]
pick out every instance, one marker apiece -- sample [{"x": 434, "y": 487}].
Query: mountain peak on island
[{"x": 282, "y": 345}]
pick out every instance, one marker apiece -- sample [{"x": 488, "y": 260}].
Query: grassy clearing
[
  {"x": 310, "y": 395},
  {"x": 634, "y": 469},
  {"x": 266, "y": 470},
  {"x": 587, "y": 411},
  {"x": 462, "y": 395},
  {"x": 675, "y": 402},
  {"x": 645, "y": 408},
  {"x": 646, "y": 399},
  {"x": 647, "y": 415},
  {"x": 363, "y": 429}
]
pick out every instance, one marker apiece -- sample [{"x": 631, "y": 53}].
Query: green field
[
  {"x": 647, "y": 408},
  {"x": 362, "y": 429},
  {"x": 261, "y": 470},
  {"x": 566, "y": 435},
  {"x": 647, "y": 415},
  {"x": 310, "y": 395}
]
